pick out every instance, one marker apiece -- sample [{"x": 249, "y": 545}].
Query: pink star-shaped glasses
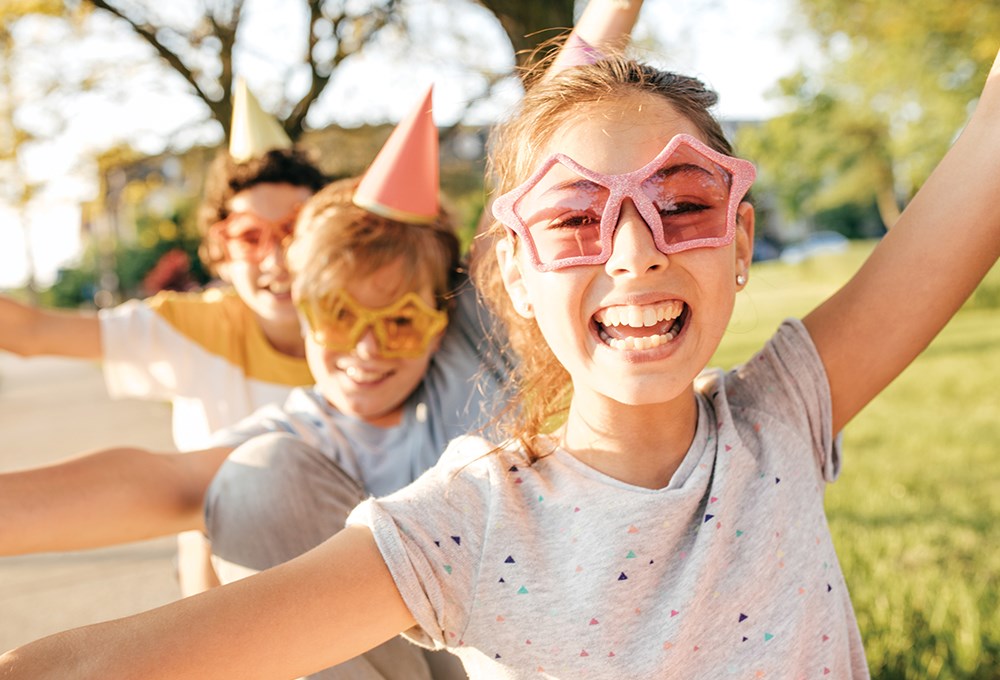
[{"x": 566, "y": 214}]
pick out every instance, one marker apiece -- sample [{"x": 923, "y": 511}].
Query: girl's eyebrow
[
  {"x": 576, "y": 184},
  {"x": 681, "y": 167}
]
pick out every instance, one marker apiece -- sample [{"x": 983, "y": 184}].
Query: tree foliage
[
  {"x": 201, "y": 52},
  {"x": 895, "y": 89},
  {"x": 197, "y": 47},
  {"x": 197, "y": 42},
  {"x": 16, "y": 189}
]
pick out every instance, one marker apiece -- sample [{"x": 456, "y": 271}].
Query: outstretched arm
[
  {"x": 107, "y": 497},
  {"x": 923, "y": 270},
  {"x": 29, "y": 331},
  {"x": 320, "y": 609}
]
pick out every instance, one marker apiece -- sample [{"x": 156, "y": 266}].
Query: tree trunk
[{"x": 529, "y": 23}]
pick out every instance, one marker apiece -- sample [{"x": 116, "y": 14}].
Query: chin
[
  {"x": 278, "y": 310},
  {"x": 644, "y": 392}
]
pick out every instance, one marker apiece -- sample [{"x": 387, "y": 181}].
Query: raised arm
[
  {"x": 923, "y": 270},
  {"x": 107, "y": 497},
  {"x": 322, "y": 608},
  {"x": 605, "y": 26},
  {"x": 29, "y": 331}
]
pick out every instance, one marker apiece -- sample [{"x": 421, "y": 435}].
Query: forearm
[
  {"x": 604, "y": 27},
  {"x": 921, "y": 272},
  {"x": 319, "y": 609},
  {"x": 607, "y": 24},
  {"x": 29, "y": 331},
  {"x": 111, "y": 496}
]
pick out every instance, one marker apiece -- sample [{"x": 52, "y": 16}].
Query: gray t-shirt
[
  {"x": 463, "y": 387},
  {"x": 557, "y": 570}
]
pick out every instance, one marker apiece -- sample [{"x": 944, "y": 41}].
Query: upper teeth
[
  {"x": 361, "y": 375},
  {"x": 639, "y": 316}
]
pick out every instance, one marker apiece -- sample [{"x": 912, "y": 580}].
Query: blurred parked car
[
  {"x": 818, "y": 243},
  {"x": 765, "y": 249}
]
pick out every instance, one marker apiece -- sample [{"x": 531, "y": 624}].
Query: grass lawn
[{"x": 916, "y": 513}]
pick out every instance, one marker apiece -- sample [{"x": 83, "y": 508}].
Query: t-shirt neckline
[{"x": 689, "y": 463}]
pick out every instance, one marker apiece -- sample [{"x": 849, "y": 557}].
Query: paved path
[{"x": 50, "y": 409}]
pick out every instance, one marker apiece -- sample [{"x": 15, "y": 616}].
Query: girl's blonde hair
[
  {"x": 336, "y": 241},
  {"x": 542, "y": 388}
]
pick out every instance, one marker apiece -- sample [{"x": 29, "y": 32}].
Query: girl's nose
[{"x": 633, "y": 249}]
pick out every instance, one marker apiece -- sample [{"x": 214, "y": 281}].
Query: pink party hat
[{"x": 402, "y": 182}]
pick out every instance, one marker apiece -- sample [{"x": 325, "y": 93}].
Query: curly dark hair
[{"x": 228, "y": 177}]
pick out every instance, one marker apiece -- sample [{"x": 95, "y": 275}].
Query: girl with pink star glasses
[{"x": 643, "y": 517}]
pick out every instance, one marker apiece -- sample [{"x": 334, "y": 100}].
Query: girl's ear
[
  {"x": 513, "y": 281},
  {"x": 745, "y": 217}
]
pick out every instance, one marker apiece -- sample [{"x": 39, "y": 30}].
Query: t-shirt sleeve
[
  {"x": 430, "y": 534},
  {"x": 143, "y": 354},
  {"x": 787, "y": 378}
]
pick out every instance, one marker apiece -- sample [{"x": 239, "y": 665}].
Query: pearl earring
[{"x": 741, "y": 279}]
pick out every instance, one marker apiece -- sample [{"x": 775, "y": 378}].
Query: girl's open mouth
[{"x": 641, "y": 327}]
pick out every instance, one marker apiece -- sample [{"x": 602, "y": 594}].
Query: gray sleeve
[
  {"x": 430, "y": 536},
  {"x": 270, "y": 418},
  {"x": 273, "y": 499},
  {"x": 787, "y": 378}
]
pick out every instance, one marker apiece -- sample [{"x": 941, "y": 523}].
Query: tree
[
  {"x": 822, "y": 155},
  {"x": 526, "y": 23},
  {"x": 16, "y": 188},
  {"x": 198, "y": 45},
  {"x": 872, "y": 123}
]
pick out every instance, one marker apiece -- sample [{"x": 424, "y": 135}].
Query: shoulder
[
  {"x": 473, "y": 341},
  {"x": 464, "y": 477},
  {"x": 468, "y": 456},
  {"x": 788, "y": 363},
  {"x": 779, "y": 399},
  {"x": 206, "y": 318},
  {"x": 213, "y": 308},
  {"x": 213, "y": 298},
  {"x": 300, "y": 415}
]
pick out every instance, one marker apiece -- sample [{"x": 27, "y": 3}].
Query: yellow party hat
[{"x": 253, "y": 132}]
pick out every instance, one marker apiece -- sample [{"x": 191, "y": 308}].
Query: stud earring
[
  {"x": 741, "y": 279},
  {"x": 525, "y": 309}
]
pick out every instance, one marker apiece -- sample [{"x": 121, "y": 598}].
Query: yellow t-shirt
[{"x": 203, "y": 352}]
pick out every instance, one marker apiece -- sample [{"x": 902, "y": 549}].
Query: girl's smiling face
[{"x": 638, "y": 328}]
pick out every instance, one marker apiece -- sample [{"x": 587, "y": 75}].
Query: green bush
[{"x": 131, "y": 261}]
